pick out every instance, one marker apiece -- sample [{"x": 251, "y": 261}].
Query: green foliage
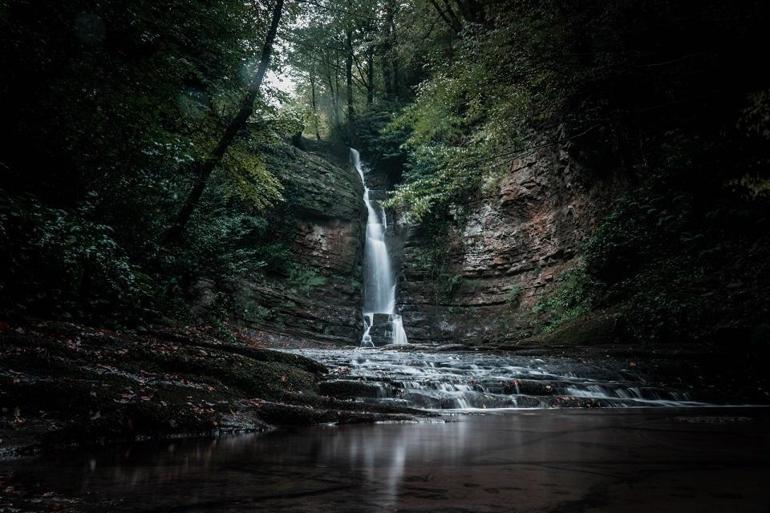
[
  {"x": 449, "y": 284},
  {"x": 513, "y": 296},
  {"x": 434, "y": 259},
  {"x": 251, "y": 179},
  {"x": 668, "y": 259},
  {"x": 571, "y": 299},
  {"x": 64, "y": 263},
  {"x": 638, "y": 227},
  {"x": 437, "y": 178},
  {"x": 106, "y": 104},
  {"x": 107, "y": 107},
  {"x": 666, "y": 311},
  {"x": 304, "y": 280},
  {"x": 376, "y": 138},
  {"x": 464, "y": 116}
]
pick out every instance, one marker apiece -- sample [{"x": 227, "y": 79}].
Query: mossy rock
[
  {"x": 89, "y": 385},
  {"x": 594, "y": 329}
]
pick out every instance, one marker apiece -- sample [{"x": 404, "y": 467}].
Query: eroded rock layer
[
  {"x": 315, "y": 294},
  {"x": 504, "y": 252}
]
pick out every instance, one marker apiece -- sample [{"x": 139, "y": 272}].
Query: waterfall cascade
[{"x": 379, "y": 280}]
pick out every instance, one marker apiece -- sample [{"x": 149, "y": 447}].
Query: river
[{"x": 618, "y": 460}]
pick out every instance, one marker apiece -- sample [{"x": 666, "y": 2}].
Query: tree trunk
[
  {"x": 387, "y": 49},
  {"x": 314, "y": 103},
  {"x": 396, "y": 71},
  {"x": 447, "y": 15},
  {"x": 337, "y": 96},
  {"x": 369, "y": 76},
  {"x": 327, "y": 62},
  {"x": 349, "y": 71},
  {"x": 203, "y": 169}
]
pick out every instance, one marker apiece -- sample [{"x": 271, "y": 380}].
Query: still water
[{"x": 678, "y": 460}]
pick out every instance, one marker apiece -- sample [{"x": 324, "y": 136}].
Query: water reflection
[{"x": 522, "y": 462}]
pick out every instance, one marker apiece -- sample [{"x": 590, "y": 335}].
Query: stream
[
  {"x": 508, "y": 437},
  {"x": 504, "y": 433},
  {"x": 473, "y": 381},
  {"x": 661, "y": 460}
]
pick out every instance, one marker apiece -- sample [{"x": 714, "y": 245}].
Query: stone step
[
  {"x": 478, "y": 381},
  {"x": 437, "y": 394},
  {"x": 354, "y": 389}
]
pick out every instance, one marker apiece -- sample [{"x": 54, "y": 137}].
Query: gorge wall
[
  {"x": 315, "y": 295},
  {"x": 502, "y": 253}
]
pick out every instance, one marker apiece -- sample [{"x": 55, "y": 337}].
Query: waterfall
[{"x": 379, "y": 280}]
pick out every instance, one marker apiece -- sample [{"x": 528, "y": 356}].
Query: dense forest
[
  {"x": 131, "y": 168},
  {"x": 224, "y": 217},
  {"x": 137, "y": 142}
]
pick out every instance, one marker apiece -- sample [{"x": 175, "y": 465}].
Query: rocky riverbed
[
  {"x": 64, "y": 383},
  {"x": 69, "y": 392}
]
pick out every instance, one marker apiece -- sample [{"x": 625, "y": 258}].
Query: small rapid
[
  {"x": 471, "y": 381},
  {"x": 413, "y": 377},
  {"x": 379, "y": 279}
]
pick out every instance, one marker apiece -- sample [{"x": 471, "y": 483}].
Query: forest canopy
[{"x": 136, "y": 137}]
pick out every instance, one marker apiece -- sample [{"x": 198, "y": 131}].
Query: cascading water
[
  {"x": 473, "y": 381},
  {"x": 379, "y": 281}
]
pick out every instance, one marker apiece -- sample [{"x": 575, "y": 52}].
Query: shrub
[
  {"x": 513, "y": 296},
  {"x": 571, "y": 299}
]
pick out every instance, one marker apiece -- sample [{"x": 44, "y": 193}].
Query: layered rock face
[
  {"x": 317, "y": 299},
  {"x": 503, "y": 252}
]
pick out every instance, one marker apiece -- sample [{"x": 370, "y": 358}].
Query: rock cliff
[
  {"x": 316, "y": 297},
  {"x": 501, "y": 254}
]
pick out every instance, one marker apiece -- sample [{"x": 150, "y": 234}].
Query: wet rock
[
  {"x": 64, "y": 383},
  {"x": 345, "y": 389},
  {"x": 382, "y": 330},
  {"x": 294, "y": 415},
  {"x": 532, "y": 387},
  {"x": 316, "y": 299}
]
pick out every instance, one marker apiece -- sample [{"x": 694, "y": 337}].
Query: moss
[
  {"x": 313, "y": 184},
  {"x": 257, "y": 378},
  {"x": 593, "y": 329},
  {"x": 304, "y": 280},
  {"x": 434, "y": 256}
]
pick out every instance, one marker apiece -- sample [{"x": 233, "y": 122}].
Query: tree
[
  {"x": 349, "y": 70},
  {"x": 204, "y": 168}
]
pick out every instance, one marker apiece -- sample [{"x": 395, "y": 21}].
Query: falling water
[{"x": 379, "y": 282}]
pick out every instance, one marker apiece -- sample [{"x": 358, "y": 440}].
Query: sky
[{"x": 283, "y": 82}]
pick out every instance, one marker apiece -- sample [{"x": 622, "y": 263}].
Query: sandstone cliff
[
  {"x": 316, "y": 298},
  {"x": 504, "y": 252}
]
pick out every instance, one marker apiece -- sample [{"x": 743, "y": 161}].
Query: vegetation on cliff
[
  {"x": 144, "y": 152},
  {"x": 662, "y": 97},
  {"x": 110, "y": 112}
]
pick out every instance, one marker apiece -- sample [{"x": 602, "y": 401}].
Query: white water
[
  {"x": 379, "y": 281},
  {"x": 472, "y": 381}
]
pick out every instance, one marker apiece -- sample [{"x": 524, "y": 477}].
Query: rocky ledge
[{"x": 63, "y": 383}]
